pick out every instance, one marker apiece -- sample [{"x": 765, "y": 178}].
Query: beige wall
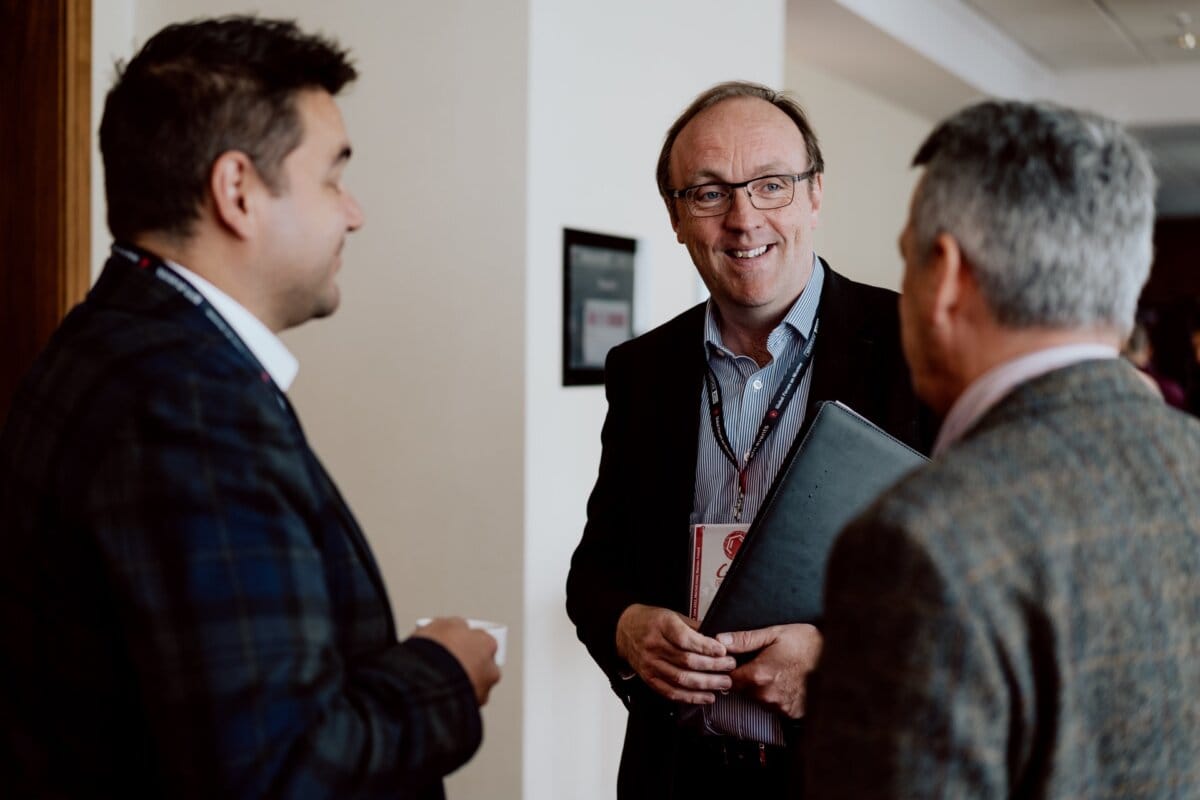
[{"x": 868, "y": 144}]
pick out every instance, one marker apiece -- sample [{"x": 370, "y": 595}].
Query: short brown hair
[
  {"x": 196, "y": 90},
  {"x": 726, "y": 91}
]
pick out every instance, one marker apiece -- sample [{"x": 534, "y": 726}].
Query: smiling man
[
  {"x": 187, "y": 606},
  {"x": 743, "y": 179}
]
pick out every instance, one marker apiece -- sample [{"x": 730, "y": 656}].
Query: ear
[
  {"x": 231, "y": 182},
  {"x": 671, "y": 212},
  {"x": 816, "y": 194},
  {"x": 949, "y": 277}
]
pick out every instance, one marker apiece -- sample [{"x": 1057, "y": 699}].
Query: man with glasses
[{"x": 702, "y": 413}]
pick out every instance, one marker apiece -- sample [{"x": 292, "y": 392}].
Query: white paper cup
[{"x": 496, "y": 630}]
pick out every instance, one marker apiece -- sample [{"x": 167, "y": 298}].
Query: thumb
[{"x": 746, "y": 641}]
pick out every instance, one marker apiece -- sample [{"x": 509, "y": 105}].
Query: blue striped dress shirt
[{"x": 746, "y": 392}]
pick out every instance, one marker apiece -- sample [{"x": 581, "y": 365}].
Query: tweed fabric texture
[{"x": 1021, "y": 618}]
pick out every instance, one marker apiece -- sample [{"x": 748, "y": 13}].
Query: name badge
[{"x": 713, "y": 548}]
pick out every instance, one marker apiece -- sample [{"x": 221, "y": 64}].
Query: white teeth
[{"x": 758, "y": 251}]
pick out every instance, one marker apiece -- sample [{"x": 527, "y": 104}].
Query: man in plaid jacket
[
  {"x": 1021, "y": 618},
  {"x": 187, "y": 606}
]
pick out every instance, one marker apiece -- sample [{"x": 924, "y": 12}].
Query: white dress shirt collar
[
  {"x": 276, "y": 359},
  {"x": 989, "y": 388}
]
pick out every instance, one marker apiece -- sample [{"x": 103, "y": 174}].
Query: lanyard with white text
[
  {"x": 778, "y": 404},
  {"x": 143, "y": 260}
]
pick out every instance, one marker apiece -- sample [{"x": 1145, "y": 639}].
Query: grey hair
[{"x": 1053, "y": 208}]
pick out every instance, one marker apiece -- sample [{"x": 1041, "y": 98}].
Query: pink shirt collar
[{"x": 990, "y": 387}]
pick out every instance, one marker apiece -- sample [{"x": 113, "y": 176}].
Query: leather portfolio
[{"x": 843, "y": 463}]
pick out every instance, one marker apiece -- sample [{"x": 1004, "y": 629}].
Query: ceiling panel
[
  {"x": 1095, "y": 34},
  {"x": 1062, "y": 34},
  {"x": 1154, "y": 24}
]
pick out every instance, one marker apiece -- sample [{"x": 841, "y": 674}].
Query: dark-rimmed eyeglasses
[{"x": 765, "y": 193}]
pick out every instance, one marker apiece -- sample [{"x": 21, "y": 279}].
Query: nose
[
  {"x": 742, "y": 215},
  {"x": 353, "y": 212}
]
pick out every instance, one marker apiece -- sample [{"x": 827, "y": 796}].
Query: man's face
[
  {"x": 307, "y": 222},
  {"x": 754, "y": 262}
]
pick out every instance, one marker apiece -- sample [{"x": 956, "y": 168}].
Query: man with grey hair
[{"x": 1020, "y": 618}]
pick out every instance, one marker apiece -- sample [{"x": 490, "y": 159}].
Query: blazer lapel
[
  {"x": 678, "y": 417},
  {"x": 840, "y": 346}
]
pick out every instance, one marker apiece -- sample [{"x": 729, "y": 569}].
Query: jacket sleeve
[
  {"x": 255, "y": 679},
  {"x": 911, "y": 697},
  {"x": 599, "y": 584}
]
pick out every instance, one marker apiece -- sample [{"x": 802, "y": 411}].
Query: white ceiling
[
  {"x": 1089, "y": 34},
  {"x": 1117, "y": 57}
]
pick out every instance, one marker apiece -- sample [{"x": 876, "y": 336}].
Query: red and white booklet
[{"x": 713, "y": 548}]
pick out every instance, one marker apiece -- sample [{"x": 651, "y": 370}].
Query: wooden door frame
[{"x": 45, "y": 199}]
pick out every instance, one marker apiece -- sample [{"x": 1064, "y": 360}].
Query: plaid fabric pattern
[
  {"x": 187, "y": 606},
  {"x": 1022, "y": 617}
]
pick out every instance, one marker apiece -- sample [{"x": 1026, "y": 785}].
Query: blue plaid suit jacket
[
  {"x": 1021, "y": 618},
  {"x": 187, "y": 606}
]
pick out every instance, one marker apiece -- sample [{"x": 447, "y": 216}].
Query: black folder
[{"x": 777, "y": 576}]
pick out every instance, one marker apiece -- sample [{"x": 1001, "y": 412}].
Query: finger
[
  {"x": 686, "y": 679},
  {"x": 698, "y": 663},
  {"x": 747, "y": 641},
  {"x": 685, "y": 638},
  {"x": 680, "y": 694},
  {"x": 749, "y": 676}
]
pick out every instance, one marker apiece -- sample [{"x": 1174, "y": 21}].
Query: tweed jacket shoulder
[
  {"x": 1021, "y": 618},
  {"x": 187, "y": 606}
]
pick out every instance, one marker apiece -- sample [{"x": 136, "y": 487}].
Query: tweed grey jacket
[{"x": 1021, "y": 618}]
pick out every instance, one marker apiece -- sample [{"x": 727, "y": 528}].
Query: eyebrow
[{"x": 772, "y": 168}]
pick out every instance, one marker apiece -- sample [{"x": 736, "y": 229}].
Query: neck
[
  {"x": 1001, "y": 345},
  {"x": 748, "y": 338},
  {"x": 215, "y": 261}
]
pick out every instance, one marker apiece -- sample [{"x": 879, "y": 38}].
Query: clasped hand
[{"x": 681, "y": 664}]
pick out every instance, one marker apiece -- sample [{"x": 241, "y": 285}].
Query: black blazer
[
  {"x": 635, "y": 544},
  {"x": 187, "y": 606}
]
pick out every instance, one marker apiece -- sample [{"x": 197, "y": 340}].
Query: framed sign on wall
[{"x": 598, "y": 273}]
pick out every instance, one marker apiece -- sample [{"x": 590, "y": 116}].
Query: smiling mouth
[{"x": 755, "y": 253}]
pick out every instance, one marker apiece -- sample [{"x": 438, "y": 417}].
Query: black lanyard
[
  {"x": 147, "y": 262},
  {"x": 779, "y": 403}
]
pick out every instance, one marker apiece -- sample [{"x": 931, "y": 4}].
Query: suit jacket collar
[
  {"x": 1080, "y": 386},
  {"x": 840, "y": 348},
  {"x": 131, "y": 287}
]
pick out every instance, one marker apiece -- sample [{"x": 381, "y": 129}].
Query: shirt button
[{"x": 757, "y": 385}]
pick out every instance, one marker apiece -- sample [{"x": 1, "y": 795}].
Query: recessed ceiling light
[{"x": 1186, "y": 40}]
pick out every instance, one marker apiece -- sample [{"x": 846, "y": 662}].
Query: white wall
[
  {"x": 868, "y": 144},
  {"x": 606, "y": 80},
  {"x": 413, "y": 393}
]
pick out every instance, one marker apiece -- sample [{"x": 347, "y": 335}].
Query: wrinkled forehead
[{"x": 735, "y": 140}]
